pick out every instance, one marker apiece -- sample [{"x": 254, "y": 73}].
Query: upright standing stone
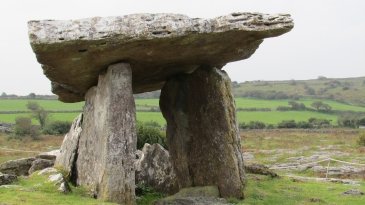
[
  {"x": 108, "y": 141},
  {"x": 202, "y": 131}
]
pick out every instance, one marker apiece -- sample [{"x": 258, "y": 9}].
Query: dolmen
[{"x": 104, "y": 61}]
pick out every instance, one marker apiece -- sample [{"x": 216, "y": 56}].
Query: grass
[
  {"x": 268, "y": 147},
  {"x": 20, "y": 105},
  {"x": 273, "y": 104},
  {"x": 260, "y": 190},
  {"x": 275, "y": 116},
  {"x": 36, "y": 191},
  {"x": 144, "y": 105},
  {"x": 349, "y": 90},
  {"x": 45, "y": 143},
  {"x": 263, "y": 190}
]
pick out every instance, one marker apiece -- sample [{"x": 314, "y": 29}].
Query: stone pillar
[
  {"x": 108, "y": 141},
  {"x": 202, "y": 131}
]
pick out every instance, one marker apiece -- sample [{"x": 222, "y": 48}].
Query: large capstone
[
  {"x": 202, "y": 131},
  {"x": 108, "y": 141},
  {"x": 158, "y": 46}
]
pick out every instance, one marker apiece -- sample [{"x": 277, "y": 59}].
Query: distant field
[
  {"x": 273, "y": 104},
  {"x": 141, "y": 116},
  {"x": 274, "y": 117},
  {"x": 144, "y": 105},
  {"x": 20, "y": 105}
]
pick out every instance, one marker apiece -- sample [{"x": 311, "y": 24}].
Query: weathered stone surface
[
  {"x": 69, "y": 149},
  {"x": 17, "y": 167},
  {"x": 259, "y": 169},
  {"x": 108, "y": 141},
  {"x": 207, "y": 195},
  {"x": 5, "y": 127},
  {"x": 353, "y": 192},
  {"x": 73, "y": 53},
  {"x": 40, "y": 164},
  {"x": 153, "y": 168},
  {"x": 7, "y": 178},
  {"x": 51, "y": 155},
  {"x": 202, "y": 131}
]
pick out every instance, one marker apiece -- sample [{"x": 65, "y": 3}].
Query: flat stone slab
[{"x": 157, "y": 46}]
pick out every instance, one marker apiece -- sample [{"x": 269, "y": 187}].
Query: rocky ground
[{"x": 334, "y": 153}]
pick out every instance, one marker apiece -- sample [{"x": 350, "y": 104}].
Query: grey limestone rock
[
  {"x": 158, "y": 46},
  {"x": 153, "y": 168},
  {"x": 40, "y": 164},
  {"x": 66, "y": 159},
  {"x": 19, "y": 167},
  {"x": 51, "y": 155},
  {"x": 7, "y": 179},
  {"x": 202, "y": 131},
  {"x": 108, "y": 141}
]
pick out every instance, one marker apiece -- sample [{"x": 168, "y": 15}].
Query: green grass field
[
  {"x": 143, "y": 105},
  {"x": 275, "y": 116},
  {"x": 20, "y": 105},
  {"x": 273, "y": 104}
]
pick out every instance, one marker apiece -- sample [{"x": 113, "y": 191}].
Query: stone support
[
  {"x": 108, "y": 140},
  {"x": 202, "y": 131}
]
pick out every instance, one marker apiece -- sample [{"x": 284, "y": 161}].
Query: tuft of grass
[
  {"x": 263, "y": 190},
  {"x": 35, "y": 190}
]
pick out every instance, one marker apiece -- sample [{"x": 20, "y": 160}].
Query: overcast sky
[{"x": 328, "y": 38}]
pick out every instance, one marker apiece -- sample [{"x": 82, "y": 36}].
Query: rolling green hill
[{"x": 347, "y": 90}]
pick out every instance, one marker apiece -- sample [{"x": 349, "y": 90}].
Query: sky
[{"x": 328, "y": 38}]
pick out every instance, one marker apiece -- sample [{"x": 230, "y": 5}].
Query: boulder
[
  {"x": 40, "y": 164},
  {"x": 68, "y": 153},
  {"x": 7, "y": 179},
  {"x": 260, "y": 169},
  {"x": 51, "y": 155},
  {"x": 153, "y": 168},
  {"x": 353, "y": 192},
  {"x": 207, "y": 195},
  {"x": 5, "y": 127},
  {"x": 158, "y": 46},
  {"x": 202, "y": 131},
  {"x": 108, "y": 141},
  {"x": 19, "y": 167}
]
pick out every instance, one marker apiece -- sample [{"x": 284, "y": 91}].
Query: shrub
[
  {"x": 348, "y": 120},
  {"x": 243, "y": 125},
  {"x": 287, "y": 124},
  {"x": 23, "y": 126},
  {"x": 283, "y": 108},
  {"x": 304, "y": 125},
  {"x": 361, "y": 140},
  {"x": 296, "y": 105},
  {"x": 39, "y": 113},
  {"x": 149, "y": 134},
  {"x": 256, "y": 125},
  {"x": 57, "y": 128},
  {"x": 319, "y": 123}
]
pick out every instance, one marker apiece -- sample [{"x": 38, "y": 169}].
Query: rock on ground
[
  {"x": 153, "y": 168},
  {"x": 208, "y": 195},
  {"x": 17, "y": 167},
  {"x": 202, "y": 131},
  {"x": 69, "y": 149},
  {"x": 158, "y": 46},
  {"x": 7, "y": 179},
  {"x": 353, "y": 192},
  {"x": 259, "y": 169},
  {"x": 51, "y": 155},
  {"x": 40, "y": 164}
]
